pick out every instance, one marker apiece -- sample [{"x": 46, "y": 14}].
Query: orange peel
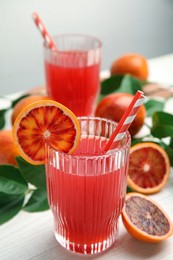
[
  {"x": 145, "y": 220},
  {"x": 149, "y": 168},
  {"x": 42, "y": 122}
]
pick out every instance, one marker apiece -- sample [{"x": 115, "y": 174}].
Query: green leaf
[
  {"x": 130, "y": 85},
  {"x": 34, "y": 174},
  {"x": 153, "y": 106},
  {"x": 11, "y": 180},
  {"x": 171, "y": 142},
  {"x": 136, "y": 141},
  {"x": 37, "y": 202},
  {"x": 2, "y": 118},
  {"x": 169, "y": 151},
  {"x": 128, "y": 189},
  {"x": 14, "y": 102},
  {"x": 162, "y": 124},
  {"x": 111, "y": 84},
  {"x": 10, "y": 205},
  {"x": 121, "y": 83}
]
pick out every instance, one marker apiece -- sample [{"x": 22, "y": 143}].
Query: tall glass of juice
[
  {"x": 86, "y": 190},
  {"x": 72, "y": 72}
]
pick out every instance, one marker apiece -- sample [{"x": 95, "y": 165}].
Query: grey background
[{"x": 140, "y": 26}]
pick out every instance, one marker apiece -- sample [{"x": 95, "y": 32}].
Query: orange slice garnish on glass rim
[
  {"x": 42, "y": 122},
  {"x": 149, "y": 168}
]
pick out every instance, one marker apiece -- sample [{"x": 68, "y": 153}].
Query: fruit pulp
[
  {"x": 87, "y": 202},
  {"x": 74, "y": 85}
]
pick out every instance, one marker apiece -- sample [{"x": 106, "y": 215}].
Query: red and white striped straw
[
  {"x": 126, "y": 120},
  {"x": 44, "y": 32}
]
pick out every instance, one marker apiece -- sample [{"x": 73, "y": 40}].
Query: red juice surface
[
  {"x": 86, "y": 206},
  {"x": 74, "y": 84}
]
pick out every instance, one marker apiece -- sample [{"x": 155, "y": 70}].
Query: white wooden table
[{"x": 30, "y": 235}]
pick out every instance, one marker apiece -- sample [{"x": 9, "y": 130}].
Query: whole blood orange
[
  {"x": 8, "y": 151},
  {"x": 133, "y": 64},
  {"x": 145, "y": 220},
  {"x": 42, "y": 122},
  {"x": 23, "y": 103},
  {"x": 113, "y": 107},
  {"x": 149, "y": 168}
]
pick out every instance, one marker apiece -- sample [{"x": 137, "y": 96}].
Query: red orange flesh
[
  {"x": 145, "y": 219},
  {"x": 149, "y": 168},
  {"x": 42, "y": 122}
]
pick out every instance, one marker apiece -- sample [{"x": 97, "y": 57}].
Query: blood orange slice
[
  {"x": 145, "y": 220},
  {"x": 41, "y": 122},
  {"x": 149, "y": 168}
]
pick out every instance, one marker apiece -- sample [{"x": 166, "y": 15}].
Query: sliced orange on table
[
  {"x": 42, "y": 122},
  {"x": 149, "y": 168},
  {"x": 145, "y": 220}
]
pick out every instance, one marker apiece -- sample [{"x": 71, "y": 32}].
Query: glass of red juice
[
  {"x": 86, "y": 190},
  {"x": 72, "y": 72}
]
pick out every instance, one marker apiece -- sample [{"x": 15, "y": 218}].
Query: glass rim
[
  {"x": 108, "y": 154},
  {"x": 46, "y": 47}
]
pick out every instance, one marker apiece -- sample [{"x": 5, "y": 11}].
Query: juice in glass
[
  {"x": 86, "y": 191},
  {"x": 72, "y": 73}
]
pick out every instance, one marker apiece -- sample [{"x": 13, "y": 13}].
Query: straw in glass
[
  {"x": 126, "y": 120},
  {"x": 46, "y": 36}
]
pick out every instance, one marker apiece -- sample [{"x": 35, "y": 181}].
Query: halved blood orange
[
  {"x": 144, "y": 219},
  {"x": 41, "y": 122},
  {"x": 149, "y": 168}
]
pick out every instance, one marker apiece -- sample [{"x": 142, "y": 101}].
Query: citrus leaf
[
  {"x": 136, "y": 141},
  {"x": 171, "y": 142},
  {"x": 10, "y": 205},
  {"x": 14, "y": 102},
  {"x": 128, "y": 189},
  {"x": 111, "y": 84},
  {"x": 162, "y": 124},
  {"x": 2, "y": 118},
  {"x": 169, "y": 151},
  {"x": 34, "y": 174},
  {"x": 130, "y": 85},
  {"x": 121, "y": 83},
  {"x": 11, "y": 180},
  {"x": 37, "y": 202},
  {"x": 153, "y": 106}
]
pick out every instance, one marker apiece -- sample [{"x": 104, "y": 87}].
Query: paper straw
[
  {"x": 126, "y": 120},
  {"x": 48, "y": 39}
]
